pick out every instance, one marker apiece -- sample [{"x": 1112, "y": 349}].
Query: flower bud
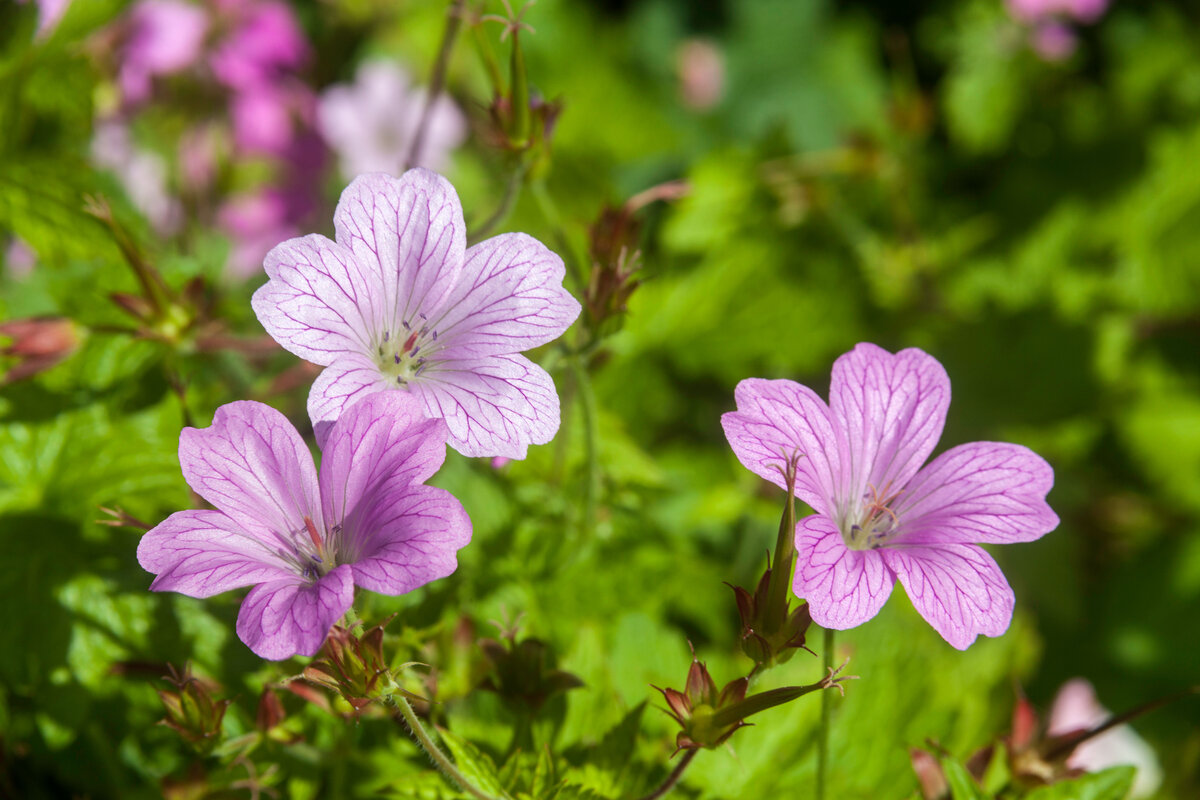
[
  {"x": 524, "y": 673},
  {"x": 36, "y": 344},
  {"x": 193, "y": 711},
  {"x": 353, "y": 666}
]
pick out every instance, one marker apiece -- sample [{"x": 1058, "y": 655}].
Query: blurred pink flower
[
  {"x": 701, "y": 69},
  {"x": 1032, "y": 11},
  {"x": 163, "y": 37},
  {"x": 199, "y": 149},
  {"x": 50, "y": 12},
  {"x": 267, "y": 117},
  {"x": 1053, "y": 40},
  {"x": 142, "y": 173},
  {"x": 256, "y": 221},
  {"x": 265, "y": 43},
  {"x": 19, "y": 258},
  {"x": 370, "y": 123},
  {"x": 1076, "y": 708}
]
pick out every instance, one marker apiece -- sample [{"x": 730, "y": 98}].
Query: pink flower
[
  {"x": 256, "y": 221},
  {"x": 163, "y": 37},
  {"x": 265, "y": 44},
  {"x": 1076, "y": 709},
  {"x": 305, "y": 539},
  {"x": 371, "y": 123},
  {"x": 1033, "y": 11},
  {"x": 50, "y": 13},
  {"x": 1053, "y": 41},
  {"x": 267, "y": 118},
  {"x": 398, "y": 303},
  {"x": 880, "y": 516}
]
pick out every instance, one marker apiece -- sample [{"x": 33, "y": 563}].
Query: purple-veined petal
[
  {"x": 891, "y": 409},
  {"x": 495, "y": 406},
  {"x": 408, "y": 232},
  {"x": 989, "y": 492},
  {"x": 383, "y": 439},
  {"x": 252, "y": 464},
  {"x": 408, "y": 537},
  {"x": 203, "y": 553},
  {"x": 844, "y": 588},
  {"x": 957, "y": 588},
  {"x": 509, "y": 299},
  {"x": 775, "y": 419},
  {"x": 340, "y": 386},
  {"x": 292, "y": 617},
  {"x": 320, "y": 302}
]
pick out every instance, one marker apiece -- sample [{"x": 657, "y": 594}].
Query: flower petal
[
  {"x": 957, "y": 588},
  {"x": 292, "y": 617},
  {"x": 340, "y": 386},
  {"x": 203, "y": 553},
  {"x": 844, "y": 588},
  {"x": 251, "y": 464},
  {"x": 989, "y": 492},
  {"x": 409, "y": 234},
  {"x": 891, "y": 409},
  {"x": 320, "y": 302},
  {"x": 777, "y": 418},
  {"x": 382, "y": 440},
  {"x": 495, "y": 406},
  {"x": 510, "y": 298},
  {"x": 408, "y": 538}
]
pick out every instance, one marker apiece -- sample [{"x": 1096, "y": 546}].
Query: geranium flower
[
  {"x": 307, "y": 538},
  {"x": 1077, "y": 709},
  {"x": 162, "y": 37},
  {"x": 880, "y": 516},
  {"x": 399, "y": 303}
]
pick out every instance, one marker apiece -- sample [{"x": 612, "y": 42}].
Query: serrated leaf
[
  {"x": 1111, "y": 784},
  {"x": 474, "y": 764}
]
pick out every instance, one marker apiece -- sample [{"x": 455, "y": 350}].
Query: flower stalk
[
  {"x": 431, "y": 749},
  {"x": 826, "y": 719}
]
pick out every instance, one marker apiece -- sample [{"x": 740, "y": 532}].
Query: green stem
[
  {"x": 826, "y": 720},
  {"x": 666, "y": 786},
  {"x": 587, "y": 406},
  {"x": 438, "y": 80},
  {"x": 427, "y": 744},
  {"x": 512, "y": 190}
]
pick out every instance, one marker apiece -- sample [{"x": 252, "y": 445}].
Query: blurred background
[{"x": 740, "y": 189}]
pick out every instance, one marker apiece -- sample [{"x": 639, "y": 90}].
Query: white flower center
[
  {"x": 404, "y": 354},
  {"x": 873, "y": 523}
]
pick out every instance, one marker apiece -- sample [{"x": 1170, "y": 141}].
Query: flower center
[
  {"x": 874, "y": 523},
  {"x": 309, "y": 552},
  {"x": 403, "y": 356}
]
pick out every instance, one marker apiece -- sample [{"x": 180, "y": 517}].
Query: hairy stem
[
  {"x": 453, "y": 22},
  {"x": 826, "y": 720},
  {"x": 587, "y": 406},
  {"x": 427, "y": 744},
  {"x": 666, "y": 786}
]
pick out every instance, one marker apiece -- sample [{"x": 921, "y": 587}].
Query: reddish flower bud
[{"x": 36, "y": 344}]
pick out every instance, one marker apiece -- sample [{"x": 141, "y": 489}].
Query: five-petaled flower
[
  {"x": 307, "y": 538},
  {"x": 399, "y": 302},
  {"x": 880, "y": 516}
]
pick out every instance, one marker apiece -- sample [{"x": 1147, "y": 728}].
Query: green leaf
[
  {"x": 474, "y": 764},
  {"x": 962, "y": 785},
  {"x": 1111, "y": 784}
]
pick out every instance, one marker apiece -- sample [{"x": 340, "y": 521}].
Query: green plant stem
[
  {"x": 785, "y": 556},
  {"x": 666, "y": 786},
  {"x": 826, "y": 719},
  {"x": 512, "y": 190},
  {"x": 587, "y": 406},
  {"x": 427, "y": 744},
  {"x": 454, "y": 17}
]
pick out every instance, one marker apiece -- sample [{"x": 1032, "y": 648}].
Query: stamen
[
  {"x": 387, "y": 335},
  {"x": 312, "y": 532}
]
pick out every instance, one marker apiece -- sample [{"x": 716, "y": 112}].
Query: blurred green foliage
[{"x": 912, "y": 177}]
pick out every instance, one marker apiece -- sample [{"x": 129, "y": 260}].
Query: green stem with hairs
[
  {"x": 826, "y": 721},
  {"x": 427, "y": 744},
  {"x": 587, "y": 407}
]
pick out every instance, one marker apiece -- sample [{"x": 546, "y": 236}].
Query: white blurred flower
[
  {"x": 371, "y": 123},
  {"x": 1076, "y": 708},
  {"x": 142, "y": 173}
]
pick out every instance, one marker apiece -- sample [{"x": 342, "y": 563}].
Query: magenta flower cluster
[
  {"x": 420, "y": 338},
  {"x": 882, "y": 514}
]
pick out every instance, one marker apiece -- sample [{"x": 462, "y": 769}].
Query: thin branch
[
  {"x": 454, "y": 18},
  {"x": 673, "y": 778}
]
